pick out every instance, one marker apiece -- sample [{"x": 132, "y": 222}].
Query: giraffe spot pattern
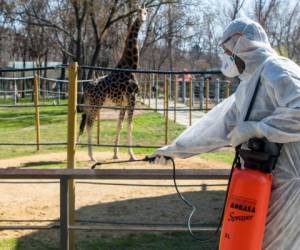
[{"x": 118, "y": 88}]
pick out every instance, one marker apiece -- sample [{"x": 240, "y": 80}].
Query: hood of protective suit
[{"x": 248, "y": 40}]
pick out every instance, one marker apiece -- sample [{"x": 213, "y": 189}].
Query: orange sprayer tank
[{"x": 246, "y": 210}]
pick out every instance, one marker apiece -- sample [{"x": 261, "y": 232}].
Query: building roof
[{"x": 30, "y": 64}]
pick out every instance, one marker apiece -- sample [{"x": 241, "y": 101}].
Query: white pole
[{"x": 217, "y": 91}]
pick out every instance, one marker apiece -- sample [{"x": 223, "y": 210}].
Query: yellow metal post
[
  {"x": 167, "y": 111},
  {"x": 206, "y": 94},
  {"x": 145, "y": 90},
  {"x": 191, "y": 102},
  {"x": 72, "y": 120},
  {"x": 156, "y": 91},
  {"x": 142, "y": 85},
  {"x": 175, "y": 97},
  {"x": 37, "y": 111},
  {"x": 98, "y": 127},
  {"x": 165, "y": 94},
  {"x": 140, "y": 94},
  {"x": 149, "y": 91}
]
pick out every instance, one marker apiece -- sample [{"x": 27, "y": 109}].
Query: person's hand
[
  {"x": 243, "y": 132},
  {"x": 159, "y": 159}
]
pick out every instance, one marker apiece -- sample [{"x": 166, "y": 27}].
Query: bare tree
[
  {"x": 183, "y": 31},
  {"x": 235, "y": 8},
  {"x": 264, "y": 10}
]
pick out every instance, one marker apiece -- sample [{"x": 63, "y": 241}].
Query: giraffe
[{"x": 117, "y": 88}]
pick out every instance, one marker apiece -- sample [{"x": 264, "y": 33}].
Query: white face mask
[{"x": 229, "y": 67}]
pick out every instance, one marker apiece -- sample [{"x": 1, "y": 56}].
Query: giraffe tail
[
  {"x": 82, "y": 123},
  {"x": 80, "y": 101}
]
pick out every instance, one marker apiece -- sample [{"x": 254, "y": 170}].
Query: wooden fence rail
[{"x": 67, "y": 227}]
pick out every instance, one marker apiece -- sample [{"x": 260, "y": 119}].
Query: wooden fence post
[
  {"x": 64, "y": 214},
  {"x": 37, "y": 110},
  {"x": 144, "y": 89},
  {"x": 72, "y": 122},
  {"x": 167, "y": 109},
  {"x": 175, "y": 97},
  {"x": 206, "y": 94},
  {"x": 98, "y": 127},
  {"x": 201, "y": 93},
  {"x": 190, "y": 102},
  {"x": 165, "y": 94},
  {"x": 156, "y": 91},
  {"x": 149, "y": 91}
]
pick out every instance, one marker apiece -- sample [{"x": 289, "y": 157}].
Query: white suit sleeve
[
  {"x": 208, "y": 134},
  {"x": 283, "y": 125}
]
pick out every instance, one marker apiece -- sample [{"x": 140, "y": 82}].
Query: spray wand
[{"x": 147, "y": 158}]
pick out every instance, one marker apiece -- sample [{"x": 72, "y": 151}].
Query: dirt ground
[{"x": 105, "y": 202}]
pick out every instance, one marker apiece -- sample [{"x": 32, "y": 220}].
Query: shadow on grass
[
  {"x": 40, "y": 164},
  {"x": 167, "y": 209}
]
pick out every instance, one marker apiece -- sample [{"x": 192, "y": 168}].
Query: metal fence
[
  {"x": 160, "y": 91},
  {"x": 67, "y": 176}
]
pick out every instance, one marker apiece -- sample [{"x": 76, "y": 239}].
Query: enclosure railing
[
  {"x": 68, "y": 226},
  {"x": 67, "y": 176},
  {"x": 173, "y": 87}
]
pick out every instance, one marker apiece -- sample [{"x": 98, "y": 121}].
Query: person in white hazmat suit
[{"x": 275, "y": 116}]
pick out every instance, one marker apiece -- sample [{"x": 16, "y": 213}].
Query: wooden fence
[{"x": 68, "y": 226}]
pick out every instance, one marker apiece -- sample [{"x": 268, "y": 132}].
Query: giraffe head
[{"x": 142, "y": 13}]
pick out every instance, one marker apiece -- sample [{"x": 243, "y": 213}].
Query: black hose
[{"x": 188, "y": 203}]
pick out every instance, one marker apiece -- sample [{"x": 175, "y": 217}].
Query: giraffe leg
[
  {"x": 129, "y": 138},
  {"x": 82, "y": 125},
  {"x": 89, "y": 126},
  {"x": 90, "y": 151},
  {"x": 78, "y": 138},
  {"x": 119, "y": 127}
]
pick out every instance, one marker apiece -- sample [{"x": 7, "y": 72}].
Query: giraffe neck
[{"x": 130, "y": 57}]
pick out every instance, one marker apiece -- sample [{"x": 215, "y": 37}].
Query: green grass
[
  {"x": 25, "y": 244},
  {"x": 17, "y": 126},
  {"x": 178, "y": 241},
  {"x": 8, "y": 244},
  {"x": 148, "y": 130},
  {"x": 171, "y": 241}
]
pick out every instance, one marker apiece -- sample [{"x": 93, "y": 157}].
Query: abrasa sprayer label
[{"x": 241, "y": 209}]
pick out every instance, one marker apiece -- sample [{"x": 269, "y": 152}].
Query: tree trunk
[
  {"x": 94, "y": 59},
  {"x": 62, "y": 86}
]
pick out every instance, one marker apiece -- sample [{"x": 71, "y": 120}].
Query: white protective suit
[{"x": 275, "y": 115}]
